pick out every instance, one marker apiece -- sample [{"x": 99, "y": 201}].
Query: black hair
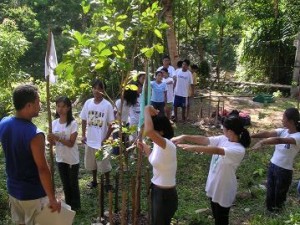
[
  {"x": 187, "y": 62},
  {"x": 157, "y": 72},
  {"x": 194, "y": 67},
  {"x": 68, "y": 103},
  {"x": 131, "y": 97},
  {"x": 236, "y": 124},
  {"x": 166, "y": 57},
  {"x": 162, "y": 123},
  {"x": 293, "y": 114},
  {"x": 164, "y": 70},
  {"x": 24, "y": 94},
  {"x": 98, "y": 83},
  {"x": 179, "y": 63}
]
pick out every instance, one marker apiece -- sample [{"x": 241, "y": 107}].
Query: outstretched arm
[
  {"x": 196, "y": 139},
  {"x": 265, "y": 134},
  {"x": 274, "y": 141},
  {"x": 202, "y": 149}
]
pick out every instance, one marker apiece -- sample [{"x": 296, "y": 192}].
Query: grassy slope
[{"x": 191, "y": 178}]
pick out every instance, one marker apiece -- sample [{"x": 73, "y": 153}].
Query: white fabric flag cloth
[{"x": 51, "y": 63}]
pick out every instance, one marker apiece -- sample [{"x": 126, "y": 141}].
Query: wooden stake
[
  {"x": 117, "y": 193},
  {"x": 133, "y": 197},
  {"x": 110, "y": 201}
]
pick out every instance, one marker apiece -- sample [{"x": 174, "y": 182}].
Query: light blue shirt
[{"x": 158, "y": 91}]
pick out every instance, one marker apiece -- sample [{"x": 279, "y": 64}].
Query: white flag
[{"x": 51, "y": 61}]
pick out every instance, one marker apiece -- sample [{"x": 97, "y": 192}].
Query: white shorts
[
  {"x": 24, "y": 212},
  {"x": 89, "y": 158}
]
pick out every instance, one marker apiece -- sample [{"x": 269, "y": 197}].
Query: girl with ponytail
[
  {"x": 227, "y": 152},
  {"x": 287, "y": 145}
]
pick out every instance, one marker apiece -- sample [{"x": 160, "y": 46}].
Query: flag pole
[
  {"x": 48, "y": 106},
  {"x": 145, "y": 98}
]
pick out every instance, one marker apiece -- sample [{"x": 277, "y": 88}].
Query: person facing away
[
  {"x": 122, "y": 113},
  {"x": 183, "y": 81},
  {"x": 29, "y": 181},
  {"x": 167, "y": 64},
  {"x": 159, "y": 93},
  {"x": 97, "y": 115},
  {"x": 227, "y": 152},
  {"x": 63, "y": 136},
  {"x": 287, "y": 146},
  {"x": 134, "y": 112},
  {"x": 162, "y": 157}
]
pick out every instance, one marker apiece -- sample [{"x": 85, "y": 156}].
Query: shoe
[{"x": 92, "y": 185}]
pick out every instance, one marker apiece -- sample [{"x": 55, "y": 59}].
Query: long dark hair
[
  {"x": 236, "y": 124},
  {"x": 162, "y": 123},
  {"x": 68, "y": 103},
  {"x": 293, "y": 114},
  {"x": 131, "y": 97}
]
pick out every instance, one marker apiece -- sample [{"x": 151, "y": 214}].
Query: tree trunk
[
  {"x": 171, "y": 37},
  {"x": 296, "y": 75}
]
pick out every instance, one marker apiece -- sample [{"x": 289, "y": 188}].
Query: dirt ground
[{"x": 263, "y": 116}]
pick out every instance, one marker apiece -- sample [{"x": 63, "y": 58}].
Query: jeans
[
  {"x": 279, "y": 181},
  {"x": 164, "y": 205},
  {"x": 69, "y": 178},
  {"x": 220, "y": 213}
]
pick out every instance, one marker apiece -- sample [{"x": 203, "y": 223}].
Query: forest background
[{"x": 107, "y": 38}]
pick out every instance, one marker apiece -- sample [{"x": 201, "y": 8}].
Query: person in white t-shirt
[
  {"x": 164, "y": 199},
  {"x": 228, "y": 151},
  {"x": 97, "y": 115},
  {"x": 167, "y": 65},
  {"x": 287, "y": 146},
  {"x": 129, "y": 100},
  {"x": 63, "y": 136},
  {"x": 183, "y": 82},
  {"x": 170, "y": 92}
]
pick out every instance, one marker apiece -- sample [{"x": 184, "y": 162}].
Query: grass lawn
[{"x": 194, "y": 208}]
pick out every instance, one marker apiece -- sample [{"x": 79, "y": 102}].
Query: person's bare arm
[
  {"x": 196, "y": 139},
  {"x": 274, "y": 141},
  {"x": 202, "y": 149},
  {"x": 69, "y": 143},
  {"x": 37, "y": 145},
  {"x": 149, "y": 128},
  {"x": 265, "y": 134}
]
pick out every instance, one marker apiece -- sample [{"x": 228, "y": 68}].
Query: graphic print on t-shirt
[{"x": 95, "y": 118}]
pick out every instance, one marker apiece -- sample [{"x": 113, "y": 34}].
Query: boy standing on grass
[
  {"x": 183, "y": 81},
  {"x": 97, "y": 115}
]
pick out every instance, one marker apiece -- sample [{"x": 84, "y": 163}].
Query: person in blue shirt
[
  {"x": 159, "y": 93},
  {"x": 29, "y": 181}
]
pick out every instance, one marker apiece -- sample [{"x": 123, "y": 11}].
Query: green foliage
[{"x": 108, "y": 47}]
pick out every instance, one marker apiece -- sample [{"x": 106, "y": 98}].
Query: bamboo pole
[
  {"x": 110, "y": 200},
  {"x": 133, "y": 198},
  {"x": 49, "y": 109},
  {"x": 101, "y": 196},
  {"x": 148, "y": 183},
  {"x": 117, "y": 192}
]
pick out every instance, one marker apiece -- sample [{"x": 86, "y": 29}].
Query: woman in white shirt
[
  {"x": 228, "y": 151},
  {"x": 163, "y": 158},
  {"x": 64, "y": 136},
  {"x": 287, "y": 145}
]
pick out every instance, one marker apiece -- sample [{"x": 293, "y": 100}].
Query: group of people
[
  {"x": 227, "y": 152},
  {"x": 29, "y": 181},
  {"x": 174, "y": 88}
]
